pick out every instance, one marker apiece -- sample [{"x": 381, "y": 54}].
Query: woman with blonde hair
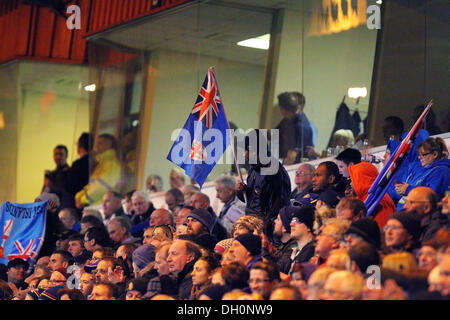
[{"x": 402, "y": 262}]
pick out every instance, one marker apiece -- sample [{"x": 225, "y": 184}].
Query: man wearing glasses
[
  {"x": 303, "y": 180},
  {"x": 263, "y": 278}
]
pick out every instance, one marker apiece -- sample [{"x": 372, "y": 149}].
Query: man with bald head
[
  {"x": 161, "y": 216},
  {"x": 424, "y": 201}
]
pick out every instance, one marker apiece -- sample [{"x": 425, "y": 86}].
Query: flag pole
[{"x": 231, "y": 137}]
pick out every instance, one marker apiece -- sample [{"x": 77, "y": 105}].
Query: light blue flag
[{"x": 22, "y": 228}]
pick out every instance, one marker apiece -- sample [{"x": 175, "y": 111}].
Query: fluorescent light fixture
[
  {"x": 261, "y": 42},
  {"x": 356, "y": 93},
  {"x": 90, "y": 88},
  {"x": 379, "y": 2}
]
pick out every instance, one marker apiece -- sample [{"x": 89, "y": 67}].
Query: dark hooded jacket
[{"x": 363, "y": 175}]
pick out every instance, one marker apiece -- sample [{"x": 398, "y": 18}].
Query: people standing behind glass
[
  {"x": 78, "y": 175},
  {"x": 106, "y": 174},
  {"x": 295, "y": 129}
]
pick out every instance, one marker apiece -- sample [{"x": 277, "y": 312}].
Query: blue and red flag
[
  {"x": 23, "y": 229},
  {"x": 385, "y": 177},
  {"x": 204, "y": 137}
]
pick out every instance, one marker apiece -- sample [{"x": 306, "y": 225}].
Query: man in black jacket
[
  {"x": 78, "y": 175},
  {"x": 268, "y": 185},
  {"x": 181, "y": 258}
]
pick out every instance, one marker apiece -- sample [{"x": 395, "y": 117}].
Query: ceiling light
[
  {"x": 261, "y": 42},
  {"x": 379, "y": 1},
  {"x": 90, "y": 88},
  {"x": 356, "y": 93}
]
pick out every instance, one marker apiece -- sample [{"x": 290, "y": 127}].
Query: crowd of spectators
[{"x": 271, "y": 240}]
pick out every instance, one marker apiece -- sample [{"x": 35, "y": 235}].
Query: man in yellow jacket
[{"x": 105, "y": 176}]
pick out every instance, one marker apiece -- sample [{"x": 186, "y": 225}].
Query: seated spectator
[
  {"x": 60, "y": 259},
  {"x": 362, "y": 257},
  {"x": 136, "y": 289},
  {"x": 17, "y": 270},
  {"x": 285, "y": 291},
  {"x": 104, "y": 291},
  {"x": 316, "y": 282},
  {"x": 112, "y": 206},
  {"x": 362, "y": 176},
  {"x": 213, "y": 292},
  {"x": 202, "y": 201},
  {"x": 142, "y": 207},
  {"x": 327, "y": 176},
  {"x": 424, "y": 201},
  {"x": 280, "y": 251},
  {"x": 328, "y": 240},
  {"x": 233, "y": 208},
  {"x": 323, "y": 214},
  {"x": 339, "y": 259},
  {"x": 246, "y": 249},
  {"x": 328, "y": 198},
  {"x": 343, "y": 285},
  {"x": 162, "y": 233},
  {"x": 303, "y": 181},
  {"x": 127, "y": 204},
  {"x": 96, "y": 238},
  {"x": 69, "y": 218},
  {"x": 141, "y": 257},
  {"x": 401, "y": 262},
  {"x": 176, "y": 178},
  {"x": 233, "y": 276},
  {"x": 161, "y": 216},
  {"x": 444, "y": 275},
  {"x": 347, "y": 158},
  {"x": 248, "y": 224},
  {"x": 87, "y": 282},
  {"x": 125, "y": 253},
  {"x": 77, "y": 250},
  {"x": 361, "y": 231},
  {"x": 119, "y": 231},
  {"x": 301, "y": 230},
  {"x": 70, "y": 294},
  {"x": 90, "y": 221},
  {"x": 188, "y": 192},
  {"x": 199, "y": 226},
  {"x": 263, "y": 278},
  {"x": 202, "y": 274},
  {"x": 181, "y": 259},
  {"x": 351, "y": 209},
  {"x": 62, "y": 239},
  {"x": 427, "y": 256},
  {"x": 401, "y": 232},
  {"x": 181, "y": 219},
  {"x": 174, "y": 198},
  {"x": 433, "y": 155}
]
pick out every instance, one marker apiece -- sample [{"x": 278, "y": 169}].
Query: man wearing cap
[
  {"x": 295, "y": 130},
  {"x": 363, "y": 230},
  {"x": 280, "y": 251},
  {"x": 199, "y": 225},
  {"x": 246, "y": 249},
  {"x": 302, "y": 231},
  {"x": 401, "y": 232},
  {"x": 136, "y": 289},
  {"x": 17, "y": 270}
]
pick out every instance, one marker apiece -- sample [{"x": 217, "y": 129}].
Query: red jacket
[{"x": 363, "y": 175}]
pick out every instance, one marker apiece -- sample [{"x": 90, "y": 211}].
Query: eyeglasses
[
  {"x": 301, "y": 173},
  {"x": 295, "y": 220},
  {"x": 422, "y": 155},
  {"x": 395, "y": 228},
  {"x": 412, "y": 201},
  {"x": 258, "y": 281}
]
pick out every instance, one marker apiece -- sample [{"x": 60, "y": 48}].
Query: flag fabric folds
[
  {"x": 23, "y": 229},
  {"x": 385, "y": 177},
  {"x": 204, "y": 137}
]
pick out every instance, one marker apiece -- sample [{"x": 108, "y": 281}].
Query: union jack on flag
[
  {"x": 208, "y": 103},
  {"x": 193, "y": 152}
]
